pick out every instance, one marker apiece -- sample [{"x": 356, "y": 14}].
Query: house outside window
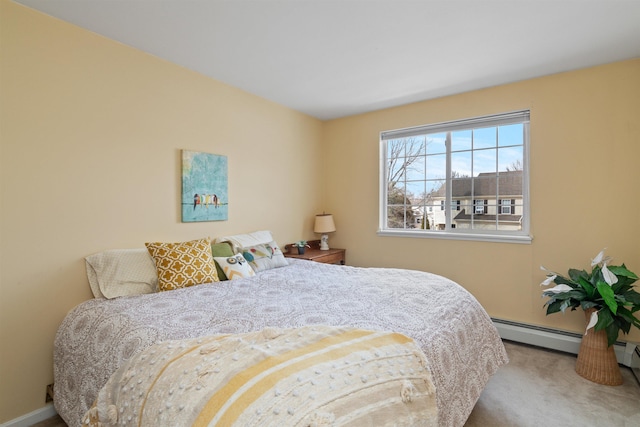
[{"x": 468, "y": 178}]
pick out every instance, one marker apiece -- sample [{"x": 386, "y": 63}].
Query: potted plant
[
  {"x": 301, "y": 245},
  {"x": 609, "y": 301}
]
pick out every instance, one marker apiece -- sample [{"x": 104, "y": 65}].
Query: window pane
[
  {"x": 484, "y": 161},
  {"x": 415, "y": 189},
  {"x": 435, "y": 187},
  {"x": 396, "y": 217},
  {"x": 511, "y": 135},
  {"x": 510, "y": 184},
  {"x": 418, "y": 217},
  {"x": 461, "y": 188},
  {"x": 461, "y": 164},
  {"x": 415, "y": 168},
  {"x": 461, "y": 140},
  {"x": 466, "y": 205},
  {"x": 436, "y": 143},
  {"x": 510, "y": 159},
  {"x": 484, "y": 187},
  {"x": 396, "y": 195},
  {"x": 436, "y": 215},
  {"x": 436, "y": 167},
  {"x": 484, "y": 138},
  {"x": 395, "y": 148},
  {"x": 395, "y": 171},
  {"x": 414, "y": 146}
]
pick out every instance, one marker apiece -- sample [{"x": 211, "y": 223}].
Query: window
[
  {"x": 506, "y": 206},
  {"x": 467, "y": 178}
]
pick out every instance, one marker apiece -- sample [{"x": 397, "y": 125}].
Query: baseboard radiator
[{"x": 628, "y": 354}]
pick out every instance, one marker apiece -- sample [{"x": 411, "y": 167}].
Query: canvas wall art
[{"x": 205, "y": 194}]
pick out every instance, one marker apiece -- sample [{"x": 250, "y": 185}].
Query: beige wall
[
  {"x": 585, "y": 177},
  {"x": 91, "y": 134}
]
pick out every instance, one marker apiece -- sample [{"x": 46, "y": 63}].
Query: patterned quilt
[
  {"x": 455, "y": 333},
  {"x": 314, "y": 375}
]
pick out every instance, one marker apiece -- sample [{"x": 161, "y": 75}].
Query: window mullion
[
  {"x": 497, "y": 222},
  {"x": 472, "y": 209},
  {"x": 448, "y": 196}
]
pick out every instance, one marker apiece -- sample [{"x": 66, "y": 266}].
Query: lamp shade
[{"x": 324, "y": 224}]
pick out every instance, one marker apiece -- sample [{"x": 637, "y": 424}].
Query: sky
[{"x": 472, "y": 152}]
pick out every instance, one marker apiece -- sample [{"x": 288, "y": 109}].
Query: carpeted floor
[{"x": 540, "y": 388}]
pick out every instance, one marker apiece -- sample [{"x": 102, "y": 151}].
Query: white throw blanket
[{"x": 305, "y": 376}]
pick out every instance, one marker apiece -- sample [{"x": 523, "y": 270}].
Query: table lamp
[{"x": 324, "y": 225}]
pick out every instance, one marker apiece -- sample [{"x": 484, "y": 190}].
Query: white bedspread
[{"x": 455, "y": 333}]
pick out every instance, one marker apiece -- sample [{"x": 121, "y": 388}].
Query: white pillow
[
  {"x": 239, "y": 241},
  {"x": 264, "y": 256},
  {"x": 235, "y": 267},
  {"x": 121, "y": 272}
]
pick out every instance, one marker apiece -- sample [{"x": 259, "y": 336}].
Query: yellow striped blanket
[{"x": 308, "y": 376}]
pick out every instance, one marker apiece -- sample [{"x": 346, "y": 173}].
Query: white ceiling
[{"x": 334, "y": 58}]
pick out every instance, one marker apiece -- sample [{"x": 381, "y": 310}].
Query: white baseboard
[
  {"x": 32, "y": 418},
  {"x": 628, "y": 354}
]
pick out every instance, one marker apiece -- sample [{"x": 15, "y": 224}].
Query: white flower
[
  {"x": 592, "y": 321},
  {"x": 560, "y": 288},
  {"x": 546, "y": 269},
  {"x": 609, "y": 277},
  {"x": 598, "y": 259},
  {"x": 549, "y": 280}
]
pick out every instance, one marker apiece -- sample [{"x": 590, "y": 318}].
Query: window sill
[{"x": 499, "y": 238}]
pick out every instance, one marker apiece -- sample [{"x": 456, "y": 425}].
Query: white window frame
[{"x": 508, "y": 236}]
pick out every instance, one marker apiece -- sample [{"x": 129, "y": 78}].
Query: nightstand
[{"x": 331, "y": 256}]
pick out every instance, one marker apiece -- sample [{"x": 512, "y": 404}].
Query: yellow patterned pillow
[{"x": 184, "y": 264}]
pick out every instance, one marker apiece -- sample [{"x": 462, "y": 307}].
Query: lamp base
[{"x": 324, "y": 242}]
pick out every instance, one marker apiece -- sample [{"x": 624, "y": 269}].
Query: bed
[{"x": 459, "y": 344}]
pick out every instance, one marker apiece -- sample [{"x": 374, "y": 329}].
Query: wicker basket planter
[{"x": 596, "y": 360}]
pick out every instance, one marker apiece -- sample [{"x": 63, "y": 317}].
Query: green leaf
[
  {"x": 585, "y": 305},
  {"x": 596, "y": 275},
  {"x": 622, "y": 271},
  {"x": 576, "y": 275},
  {"x": 623, "y": 285},
  {"x": 612, "y": 334},
  {"x": 574, "y": 294},
  {"x": 609, "y": 297},
  {"x": 588, "y": 288},
  {"x": 554, "y": 307},
  {"x": 604, "y": 319},
  {"x": 626, "y": 316},
  {"x": 633, "y": 297}
]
